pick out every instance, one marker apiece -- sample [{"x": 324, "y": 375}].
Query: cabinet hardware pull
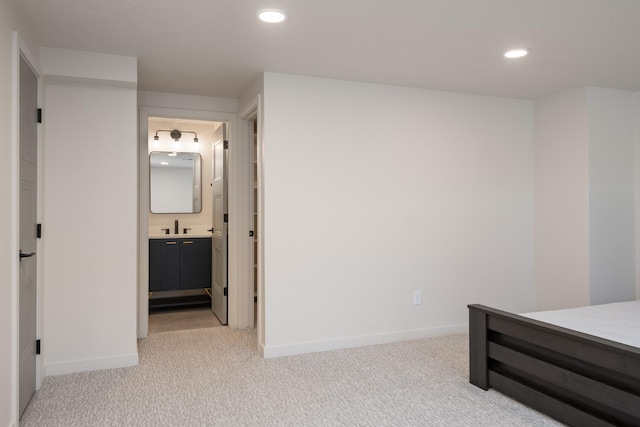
[
  {"x": 187, "y": 243},
  {"x": 169, "y": 243}
]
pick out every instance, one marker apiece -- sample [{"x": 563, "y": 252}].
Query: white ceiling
[{"x": 218, "y": 47}]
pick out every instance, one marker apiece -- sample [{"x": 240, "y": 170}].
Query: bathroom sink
[
  {"x": 193, "y": 231},
  {"x": 178, "y": 236}
]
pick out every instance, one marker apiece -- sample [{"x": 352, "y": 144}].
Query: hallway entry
[
  {"x": 187, "y": 215},
  {"x": 224, "y": 148}
]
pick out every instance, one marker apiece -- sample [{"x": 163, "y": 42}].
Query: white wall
[
  {"x": 251, "y": 93},
  {"x": 611, "y": 196},
  {"x": 584, "y": 198},
  {"x": 10, "y": 21},
  {"x": 372, "y": 192},
  {"x": 90, "y": 224},
  {"x": 636, "y": 129},
  {"x": 187, "y": 102},
  {"x": 89, "y": 67},
  {"x": 561, "y": 201}
]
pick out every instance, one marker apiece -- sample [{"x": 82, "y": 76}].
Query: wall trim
[
  {"x": 14, "y": 204},
  {"x": 75, "y": 366},
  {"x": 362, "y": 340},
  {"x": 249, "y": 112}
]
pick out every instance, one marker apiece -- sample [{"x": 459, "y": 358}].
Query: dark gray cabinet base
[
  {"x": 172, "y": 303},
  {"x": 179, "y": 264}
]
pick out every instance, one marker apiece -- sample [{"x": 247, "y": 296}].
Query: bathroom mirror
[{"x": 175, "y": 182}]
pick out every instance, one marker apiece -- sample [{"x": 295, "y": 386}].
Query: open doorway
[
  {"x": 240, "y": 287},
  {"x": 186, "y": 228}
]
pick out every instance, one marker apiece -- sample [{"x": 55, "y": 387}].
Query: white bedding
[{"x": 618, "y": 321}]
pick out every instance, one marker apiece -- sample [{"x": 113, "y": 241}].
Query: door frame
[
  {"x": 21, "y": 50},
  {"x": 250, "y": 112},
  {"x": 240, "y": 308}
]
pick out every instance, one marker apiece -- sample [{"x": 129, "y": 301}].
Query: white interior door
[
  {"x": 28, "y": 218},
  {"x": 219, "y": 240}
]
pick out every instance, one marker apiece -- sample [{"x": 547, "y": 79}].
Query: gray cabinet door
[
  {"x": 164, "y": 265},
  {"x": 195, "y": 263}
]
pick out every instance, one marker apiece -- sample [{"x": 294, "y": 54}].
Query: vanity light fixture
[
  {"x": 516, "y": 53},
  {"x": 176, "y": 134},
  {"x": 272, "y": 16}
]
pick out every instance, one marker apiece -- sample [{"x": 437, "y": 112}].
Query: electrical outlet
[{"x": 417, "y": 297}]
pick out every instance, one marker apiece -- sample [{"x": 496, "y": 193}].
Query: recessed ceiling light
[
  {"x": 516, "y": 53},
  {"x": 272, "y": 15}
]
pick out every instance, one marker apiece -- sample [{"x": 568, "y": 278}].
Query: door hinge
[
  {"x": 226, "y": 217},
  {"x": 38, "y": 231},
  {"x": 225, "y": 292},
  {"x": 226, "y": 145},
  {"x": 38, "y": 347},
  {"x": 39, "y": 115}
]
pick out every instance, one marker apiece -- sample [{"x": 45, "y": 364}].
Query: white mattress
[{"x": 618, "y": 321}]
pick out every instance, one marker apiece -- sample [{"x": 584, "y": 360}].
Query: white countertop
[
  {"x": 179, "y": 236},
  {"x": 194, "y": 231}
]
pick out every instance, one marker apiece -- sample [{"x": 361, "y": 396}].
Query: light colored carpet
[{"x": 214, "y": 377}]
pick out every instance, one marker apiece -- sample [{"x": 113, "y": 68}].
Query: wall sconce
[{"x": 176, "y": 134}]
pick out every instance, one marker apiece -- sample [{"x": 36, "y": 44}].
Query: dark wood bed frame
[{"x": 576, "y": 378}]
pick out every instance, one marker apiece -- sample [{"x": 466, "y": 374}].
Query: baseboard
[
  {"x": 261, "y": 350},
  {"x": 362, "y": 340},
  {"x": 74, "y": 366}
]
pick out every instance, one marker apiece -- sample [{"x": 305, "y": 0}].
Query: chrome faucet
[{"x": 176, "y": 228}]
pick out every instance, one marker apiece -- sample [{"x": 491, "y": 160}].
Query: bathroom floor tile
[{"x": 181, "y": 319}]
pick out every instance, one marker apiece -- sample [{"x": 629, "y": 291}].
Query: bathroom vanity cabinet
[{"x": 179, "y": 264}]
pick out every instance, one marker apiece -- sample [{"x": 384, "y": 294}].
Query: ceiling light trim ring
[
  {"x": 515, "y": 53},
  {"x": 272, "y": 16}
]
